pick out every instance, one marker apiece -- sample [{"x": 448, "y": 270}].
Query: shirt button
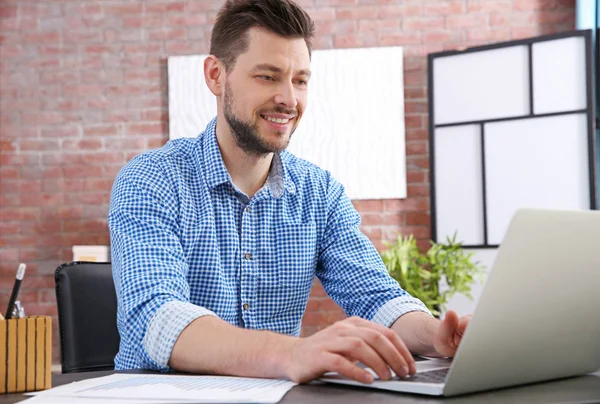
[
  {"x": 246, "y": 306},
  {"x": 247, "y": 209},
  {"x": 248, "y": 256}
]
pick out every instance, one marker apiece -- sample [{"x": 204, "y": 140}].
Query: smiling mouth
[{"x": 279, "y": 121}]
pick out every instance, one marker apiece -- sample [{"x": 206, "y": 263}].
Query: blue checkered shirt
[{"x": 186, "y": 243}]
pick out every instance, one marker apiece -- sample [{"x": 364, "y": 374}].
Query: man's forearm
[
  {"x": 210, "y": 345},
  {"x": 417, "y": 330}
]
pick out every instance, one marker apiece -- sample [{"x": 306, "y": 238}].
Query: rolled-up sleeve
[
  {"x": 351, "y": 270},
  {"x": 149, "y": 266}
]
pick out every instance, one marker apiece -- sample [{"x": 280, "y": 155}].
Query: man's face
[{"x": 266, "y": 92}]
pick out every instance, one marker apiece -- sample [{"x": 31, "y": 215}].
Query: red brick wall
[{"x": 83, "y": 87}]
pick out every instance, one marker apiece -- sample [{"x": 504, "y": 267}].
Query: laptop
[{"x": 537, "y": 317}]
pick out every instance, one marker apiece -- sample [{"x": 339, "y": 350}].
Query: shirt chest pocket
[{"x": 288, "y": 258}]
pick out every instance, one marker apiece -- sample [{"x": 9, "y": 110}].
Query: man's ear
[{"x": 214, "y": 74}]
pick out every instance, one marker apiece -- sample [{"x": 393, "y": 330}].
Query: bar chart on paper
[{"x": 197, "y": 389}]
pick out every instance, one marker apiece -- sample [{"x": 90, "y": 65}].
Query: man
[{"x": 216, "y": 240}]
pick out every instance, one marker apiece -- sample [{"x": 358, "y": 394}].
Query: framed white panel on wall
[
  {"x": 353, "y": 125},
  {"x": 543, "y": 157},
  {"x": 559, "y": 82},
  {"x": 548, "y": 168},
  {"x": 481, "y": 85},
  {"x": 459, "y": 207}
]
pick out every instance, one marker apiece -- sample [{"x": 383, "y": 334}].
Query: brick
[
  {"x": 399, "y": 38},
  {"x": 415, "y": 93},
  {"x": 417, "y": 219},
  {"x": 155, "y": 48},
  {"x": 83, "y": 144},
  {"x": 82, "y": 35},
  {"x": 437, "y": 37},
  {"x": 38, "y": 145},
  {"x": 417, "y": 148},
  {"x": 533, "y": 5},
  {"x": 165, "y": 33},
  {"x": 414, "y": 121},
  {"x": 422, "y": 23},
  {"x": 371, "y": 219},
  {"x": 8, "y": 11},
  {"x": 41, "y": 199},
  {"x": 322, "y": 13},
  {"x": 554, "y": 16},
  {"x": 130, "y": 35},
  {"x": 41, "y": 37},
  {"x": 368, "y": 205},
  {"x": 155, "y": 143},
  {"x": 468, "y": 20},
  {"x": 161, "y": 8},
  {"x": 372, "y": 232},
  {"x": 417, "y": 190},
  {"x": 356, "y": 13},
  {"x": 379, "y": 25},
  {"x": 417, "y": 162},
  {"x": 147, "y": 21},
  {"x": 206, "y": 5},
  {"x": 82, "y": 90},
  {"x": 415, "y": 79},
  {"x": 186, "y": 20},
  {"x": 124, "y": 8},
  {"x": 566, "y": 3},
  {"x": 417, "y": 177},
  {"x": 155, "y": 115},
  {"x": 85, "y": 171},
  {"x": 20, "y": 213},
  {"x": 145, "y": 129},
  {"x": 445, "y": 8},
  {"x": 487, "y": 35},
  {"x": 485, "y": 6},
  {"x": 395, "y": 11},
  {"x": 415, "y": 50},
  {"x": 391, "y": 233}
]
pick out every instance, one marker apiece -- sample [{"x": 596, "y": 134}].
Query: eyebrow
[{"x": 275, "y": 69}]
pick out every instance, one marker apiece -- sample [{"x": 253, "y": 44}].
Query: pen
[{"x": 15, "y": 291}]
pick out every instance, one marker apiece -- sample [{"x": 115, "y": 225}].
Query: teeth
[{"x": 276, "y": 120}]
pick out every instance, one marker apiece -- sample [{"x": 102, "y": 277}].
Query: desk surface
[{"x": 582, "y": 389}]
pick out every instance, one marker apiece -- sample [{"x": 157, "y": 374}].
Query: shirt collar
[{"x": 216, "y": 173}]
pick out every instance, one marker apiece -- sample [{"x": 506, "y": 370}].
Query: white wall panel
[
  {"x": 535, "y": 163},
  {"x": 353, "y": 126},
  {"x": 458, "y": 183},
  {"x": 481, "y": 85},
  {"x": 559, "y": 75}
]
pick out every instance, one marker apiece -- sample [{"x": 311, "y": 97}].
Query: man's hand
[
  {"x": 338, "y": 347},
  {"x": 450, "y": 333}
]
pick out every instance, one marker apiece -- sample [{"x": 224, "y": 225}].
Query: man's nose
[{"x": 286, "y": 95}]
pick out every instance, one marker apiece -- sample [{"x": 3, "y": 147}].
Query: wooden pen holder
[{"x": 25, "y": 354}]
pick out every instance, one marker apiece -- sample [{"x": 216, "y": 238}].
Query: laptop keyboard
[{"x": 430, "y": 376}]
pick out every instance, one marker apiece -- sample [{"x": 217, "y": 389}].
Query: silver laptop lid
[{"x": 538, "y": 317}]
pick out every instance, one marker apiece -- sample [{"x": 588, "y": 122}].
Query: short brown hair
[{"x": 229, "y": 36}]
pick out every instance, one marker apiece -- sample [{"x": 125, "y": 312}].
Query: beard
[{"x": 246, "y": 134}]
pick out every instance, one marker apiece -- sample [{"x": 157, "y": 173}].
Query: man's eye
[
  {"x": 268, "y": 78},
  {"x": 303, "y": 82}
]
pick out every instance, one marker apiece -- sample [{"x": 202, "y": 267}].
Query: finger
[
  {"x": 337, "y": 363},
  {"x": 463, "y": 323},
  {"x": 406, "y": 358},
  {"x": 448, "y": 327},
  {"x": 460, "y": 329},
  {"x": 384, "y": 347},
  {"x": 357, "y": 348}
]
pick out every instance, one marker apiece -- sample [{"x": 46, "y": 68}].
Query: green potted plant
[{"x": 420, "y": 273}]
